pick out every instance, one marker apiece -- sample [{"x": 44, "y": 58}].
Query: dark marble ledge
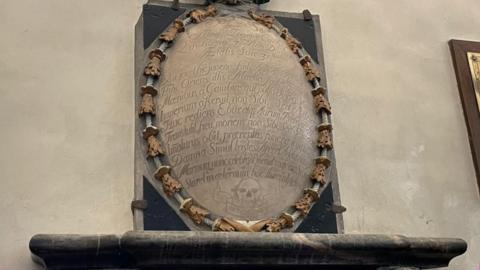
[{"x": 179, "y": 250}]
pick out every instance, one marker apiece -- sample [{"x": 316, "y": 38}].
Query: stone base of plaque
[{"x": 190, "y": 250}]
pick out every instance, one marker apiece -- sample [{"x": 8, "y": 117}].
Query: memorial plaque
[
  {"x": 234, "y": 122},
  {"x": 236, "y": 118}
]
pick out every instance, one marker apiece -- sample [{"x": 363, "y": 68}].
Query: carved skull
[{"x": 247, "y": 192}]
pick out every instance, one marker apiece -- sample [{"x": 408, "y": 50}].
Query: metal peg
[
  {"x": 157, "y": 161},
  {"x": 149, "y": 88},
  {"x": 208, "y": 221},
  {"x": 296, "y": 215},
  {"x": 187, "y": 21},
  {"x": 150, "y": 129},
  {"x": 300, "y": 53},
  {"x": 324, "y": 117},
  {"x": 179, "y": 199},
  {"x": 324, "y": 153},
  {"x": 163, "y": 46},
  {"x": 316, "y": 186},
  {"x": 148, "y": 120}
]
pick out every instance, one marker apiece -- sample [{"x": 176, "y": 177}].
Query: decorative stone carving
[
  {"x": 303, "y": 205},
  {"x": 226, "y": 224},
  {"x": 196, "y": 213},
  {"x": 157, "y": 53},
  {"x": 147, "y": 105},
  {"x": 153, "y": 67},
  {"x": 264, "y": 19},
  {"x": 325, "y": 136},
  {"x": 154, "y": 147},
  {"x": 199, "y": 15},
  {"x": 319, "y": 90},
  {"x": 161, "y": 171},
  {"x": 171, "y": 33},
  {"x": 149, "y": 89},
  {"x": 150, "y": 131},
  {"x": 321, "y": 103},
  {"x": 319, "y": 172},
  {"x": 292, "y": 42},
  {"x": 311, "y": 72},
  {"x": 170, "y": 184},
  {"x": 223, "y": 226},
  {"x": 276, "y": 225}
]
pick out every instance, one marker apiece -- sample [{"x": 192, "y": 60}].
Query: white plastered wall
[{"x": 66, "y": 118}]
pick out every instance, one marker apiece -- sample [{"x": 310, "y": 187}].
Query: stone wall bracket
[{"x": 219, "y": 250}]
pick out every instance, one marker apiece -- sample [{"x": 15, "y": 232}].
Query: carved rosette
[
  {"x": 171, "y": 33},
  {"x": 311, "y": 72},
  {"x": 325, "y": 136},
  {"x": 319, "y": 172},
  {"x": 292, "y": 42},
  {"x": 147, "y": 105},
  {"x": 154, "y": 148},
  {"x": 150, "y": 131},
  {"x": 157, "y": 53},
  {"x": 303, "y": 205},
  {"x": 170, "y": 184},
  {"x": 153, "y": 67},
  {"x": 149, "y": 89},
  {"x": 319, "y": 90},
  {"x": 199, "y": 15},
  {"x": 276, "y": 225},
  {"x": 196, "y": 213},
  {"x": 321, "y": 103},
  {"x": 264, "y": 19}
]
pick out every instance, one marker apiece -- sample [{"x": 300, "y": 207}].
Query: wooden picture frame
[{"x": 461, "y": 50}]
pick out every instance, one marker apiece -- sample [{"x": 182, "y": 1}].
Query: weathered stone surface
[
  {"x": 237, "y": 118},
  {"x": 180, "y": 250}
]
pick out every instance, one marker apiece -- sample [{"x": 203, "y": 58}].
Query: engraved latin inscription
[{"x": 237, "y": 119}]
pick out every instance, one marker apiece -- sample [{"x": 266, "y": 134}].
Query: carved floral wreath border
[{"x": 173, "y": 187}]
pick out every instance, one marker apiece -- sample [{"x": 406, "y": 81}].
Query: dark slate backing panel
[
  {"x": 320, "y": 219},
  {"x": 155, "y": 20},
  {"x": 159, "y": 215},
  {"x": 304, "y": 31}
]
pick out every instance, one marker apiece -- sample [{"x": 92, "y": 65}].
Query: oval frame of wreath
[{"x": 173, "y": 188}]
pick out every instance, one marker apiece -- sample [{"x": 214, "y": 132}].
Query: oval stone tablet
[{"x": 236, "y": 118}]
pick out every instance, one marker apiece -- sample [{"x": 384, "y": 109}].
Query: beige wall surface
[{"x": 66, "y": 118}]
